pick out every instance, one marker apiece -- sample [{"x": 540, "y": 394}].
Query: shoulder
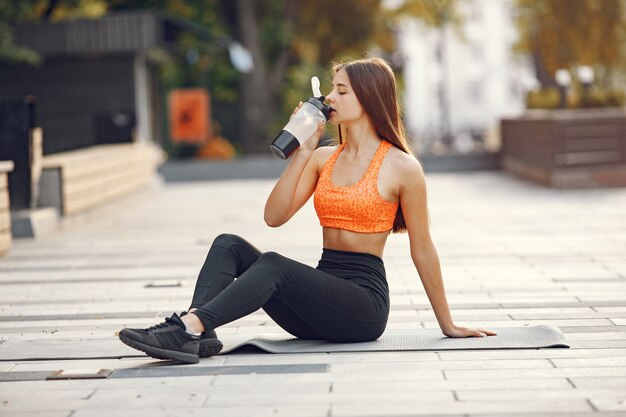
[
  {"x": 405, "y": 166},
  {"x": 322, "y": 154},
  {"x": 325, "y": 150},
  {"x": 408, "y": 172}
]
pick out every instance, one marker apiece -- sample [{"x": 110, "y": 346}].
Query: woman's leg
[
  {"x": 304, "y": 301},
  {"x": 228, "y": 257}
]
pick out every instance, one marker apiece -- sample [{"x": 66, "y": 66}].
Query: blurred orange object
[
  {"x": 190, "y": 115},
  {"x": 216, "y": 148}
]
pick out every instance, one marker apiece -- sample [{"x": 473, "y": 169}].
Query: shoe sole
[
  {"x": 160, "y": 353},
  {"x": 209, "y": 347}
]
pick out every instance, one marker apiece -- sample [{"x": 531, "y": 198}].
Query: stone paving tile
[
  {"x": 530, "y": 353},
  {"x": 118, "y": 401},
  {"x": 148, "y": 397},
  {"x": 242, "y": 391},
  {"x": 277, "y": 398},
  {"x": 6, "y": 377},
  {"x": 612, "y": 361},
  {"x": 178, "y": 371},
  {"x": 600, "y": 344},
  {"x": 420, "y": 387},
  {"x": 28, "y": 395},
  {"x": 607, "y": 310},
  {"x": 116, "y": 383},
  {"x": 399, "y": 368},
  {"x": 566, "y": 315},
  {"x": 596, "y": 336},
  {"x": 421, "y": 406},
  {"x": 595, "y": 382},
  {"x": 428, "y": 375},
  {"x": 334, "y": 358},
  {"x": 6, "y": 366},
  {"x": 598, "y": 329},
  {"x": 89, "y": 364},
  {"x": 610, "y": 404},
  {"x": 309, "y": 410},
  {"x": 538, "y": 395},
  {"x": 536, "y": 373},
  {"x": 37, "y": 414},
  {"x": 549, "y": 414},
  {"x": 522, "y": 323}
]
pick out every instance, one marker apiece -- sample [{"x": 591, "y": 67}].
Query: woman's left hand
[{"x": 458, "y": 331}]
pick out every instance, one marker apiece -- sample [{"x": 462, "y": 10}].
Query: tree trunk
[
  {"x": 545, "y": 79},
  {"x": 257, "y": 98},
  {"x": 52, "y": 4}
]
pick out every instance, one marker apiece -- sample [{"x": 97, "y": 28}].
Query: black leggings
[{"x": 344, "y": 299}]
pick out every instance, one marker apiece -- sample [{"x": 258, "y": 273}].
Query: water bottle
[{"x": 302, "y": 125}]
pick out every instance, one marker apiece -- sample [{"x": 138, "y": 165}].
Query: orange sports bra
[{"x": 358, "y": 207}]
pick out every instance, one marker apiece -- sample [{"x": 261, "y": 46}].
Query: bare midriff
[{"x": 345, "y": 240}]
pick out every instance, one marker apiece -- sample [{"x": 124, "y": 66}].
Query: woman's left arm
[{"x": 415, "y": 210}]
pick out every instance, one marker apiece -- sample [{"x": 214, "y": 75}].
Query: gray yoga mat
[{"x": 533, "y": 337}]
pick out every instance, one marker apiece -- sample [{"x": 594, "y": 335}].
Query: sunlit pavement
[{"x": 512, "y": 253}]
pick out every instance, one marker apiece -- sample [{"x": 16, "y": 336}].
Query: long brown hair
[{"x": 374, "y": 84}]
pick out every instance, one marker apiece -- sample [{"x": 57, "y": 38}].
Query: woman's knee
[
  {"x": 271, "y": 258},
  {"x": 272, "y": 261},
  {"x": 270, "y": 266},
  {"x": 226, "y": 240}
]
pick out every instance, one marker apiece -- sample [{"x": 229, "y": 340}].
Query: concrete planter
[{"x": 567, "y": 148}]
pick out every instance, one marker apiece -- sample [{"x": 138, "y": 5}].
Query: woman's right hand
[
  {"x": 295, "y": 111},
  {"x": 310, "y": 144}
]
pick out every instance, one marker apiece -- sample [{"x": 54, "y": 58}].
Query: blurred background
[
  {"x": 215, "y": 79},
  {"x": 100, "y": 98}
]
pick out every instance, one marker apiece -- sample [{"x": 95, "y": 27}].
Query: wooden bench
[
  {"x": 77, "y": 181},
  {"x": 5, "y": 208},
  {"x": 567, "y": 148}
]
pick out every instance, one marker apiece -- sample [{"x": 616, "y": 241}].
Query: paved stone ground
[{"x": 513, "y": 254}]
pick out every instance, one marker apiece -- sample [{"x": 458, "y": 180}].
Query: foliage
[
  {"x": 434, "y": 13},
  {"x": 568, "y": 33},
  {"x": 331, "y": 31},
  {"x": 202, "y": 60},
  {"x": 14, "y": 12},
  {"x": 548, "y": 98},
  {"x": 293, "y": 40}
]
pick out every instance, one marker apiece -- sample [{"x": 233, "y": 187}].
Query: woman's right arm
[{"x": 296, "y": 184}]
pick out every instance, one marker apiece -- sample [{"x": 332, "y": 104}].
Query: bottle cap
[{"x": 319, "y": 103}]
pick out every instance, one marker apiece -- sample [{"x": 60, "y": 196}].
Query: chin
[{"x": 333, "y": 120}]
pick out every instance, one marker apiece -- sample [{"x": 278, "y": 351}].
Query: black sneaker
[
  {"x": 210, "y": 345},
  {"x": 167, "y": 340}
]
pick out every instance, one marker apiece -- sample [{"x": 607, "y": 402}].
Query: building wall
[
  {"x": 79, "y": 99},
  {"x": 481, "y": 77}
]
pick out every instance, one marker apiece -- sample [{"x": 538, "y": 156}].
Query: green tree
[
  {"x": 11, "y": 14},
  {"x": 567, "y": 33},
  {"x": 306, "y": 37},
  {"x": 290, "y": 40},
  {"x": 14, "y": 12}
]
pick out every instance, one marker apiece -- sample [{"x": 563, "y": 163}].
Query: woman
[{"x": 366, "y": 187}]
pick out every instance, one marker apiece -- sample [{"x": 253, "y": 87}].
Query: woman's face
[{"x": 343, "y": 101}]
